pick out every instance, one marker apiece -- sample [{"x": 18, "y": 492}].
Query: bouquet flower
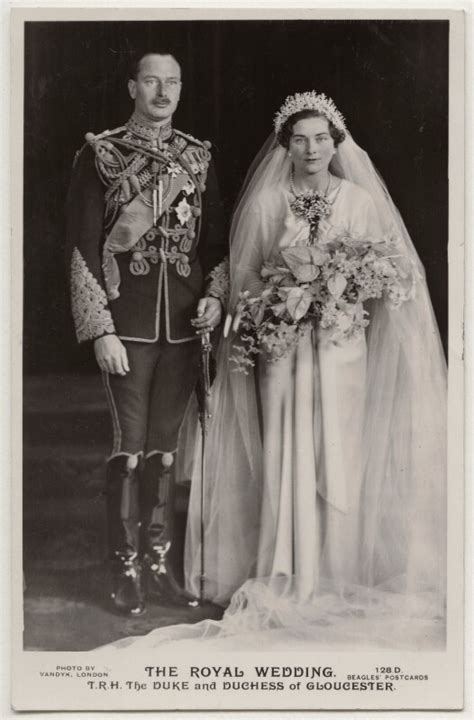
[{"x": 319, "y": 286}]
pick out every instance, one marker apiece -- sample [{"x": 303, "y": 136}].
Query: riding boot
[
  {"x": 157, "y": 523},
  {"x": 123, "y": 536}
]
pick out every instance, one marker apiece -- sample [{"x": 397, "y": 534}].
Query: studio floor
[{"x": 66, "y": 440}]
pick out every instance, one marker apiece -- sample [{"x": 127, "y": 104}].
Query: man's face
[{"x": 157, "y": 88}]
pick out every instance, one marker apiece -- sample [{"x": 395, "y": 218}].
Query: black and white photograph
[{"x": 237, "y": 319}]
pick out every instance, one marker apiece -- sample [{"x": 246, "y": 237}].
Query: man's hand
[
  {"x": 111, "y": 355},
  {"x": 209, "y": 312}
]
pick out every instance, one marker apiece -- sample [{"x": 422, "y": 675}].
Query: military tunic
[{"x": 146, "y": 243}]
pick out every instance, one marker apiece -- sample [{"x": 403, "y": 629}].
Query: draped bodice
[{"x": 352, "y": 212}]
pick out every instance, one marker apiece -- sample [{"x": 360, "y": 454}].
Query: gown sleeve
[
  {"x": 365, "y": 220},
  {"x": 252, "y": 280},
  {"x": 264, "y": 229}
]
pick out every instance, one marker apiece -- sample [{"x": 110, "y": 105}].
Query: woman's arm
[
  {"x": 249, "y": 263},
  {"x": 366, "y": 221}
]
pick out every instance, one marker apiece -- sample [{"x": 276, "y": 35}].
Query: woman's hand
[{"x": 232, "y": 321}]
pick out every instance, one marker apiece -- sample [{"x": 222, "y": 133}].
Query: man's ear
[{"x": 132, "y": 89}]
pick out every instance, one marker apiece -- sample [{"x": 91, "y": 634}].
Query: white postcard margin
[{"x": 446, "y": 669}]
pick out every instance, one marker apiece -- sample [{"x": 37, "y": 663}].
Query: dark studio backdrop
[{"x": 388, "y": 78}]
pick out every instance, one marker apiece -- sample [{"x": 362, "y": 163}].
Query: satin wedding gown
[{"x": 312, "y": 405}]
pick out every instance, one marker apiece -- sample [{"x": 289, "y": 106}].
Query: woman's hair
[{"x": 286, "y": 131}]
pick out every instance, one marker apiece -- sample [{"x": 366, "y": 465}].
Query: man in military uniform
[{"x": 146, "y": 248}]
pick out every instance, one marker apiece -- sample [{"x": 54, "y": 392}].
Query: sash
[{"x": 135, "y": 219}]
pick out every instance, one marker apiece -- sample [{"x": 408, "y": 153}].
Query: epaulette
[
  {"x": 91, "y": 139},
  {"x": 205, "y": 144},
  {"x": 106, "y": 133}
]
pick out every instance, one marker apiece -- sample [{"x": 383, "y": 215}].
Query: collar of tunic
[{"x": 139, "y": 127}]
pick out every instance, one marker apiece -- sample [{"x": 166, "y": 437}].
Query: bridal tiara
[{"x": 309, "y": 101}]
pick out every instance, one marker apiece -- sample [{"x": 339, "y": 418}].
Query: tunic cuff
[
  {"x": 219, "y": 283},
  {"x": 92, "y": 316}
]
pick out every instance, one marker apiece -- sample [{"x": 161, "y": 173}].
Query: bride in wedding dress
[{"x": 325, "y": 492}]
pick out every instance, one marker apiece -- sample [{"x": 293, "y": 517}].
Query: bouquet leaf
[
  {"x": 337, "y": 284},
  {"x": 296, "y": 257},
  {"x": 298, "y": 302},
  {"x": 318, "y": 256},
  {"x": 306, "y": 273}
]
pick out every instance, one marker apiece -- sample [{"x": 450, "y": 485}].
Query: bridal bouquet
[{"x": 321, "y": 286}]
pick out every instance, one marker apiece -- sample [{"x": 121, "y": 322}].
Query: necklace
[{"x": 302, "y": 192}]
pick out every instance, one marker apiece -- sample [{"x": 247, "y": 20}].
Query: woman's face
[{"x": 311, "y": 146}]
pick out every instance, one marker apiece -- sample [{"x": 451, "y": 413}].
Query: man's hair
[{"x": 136, "y": 59}]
